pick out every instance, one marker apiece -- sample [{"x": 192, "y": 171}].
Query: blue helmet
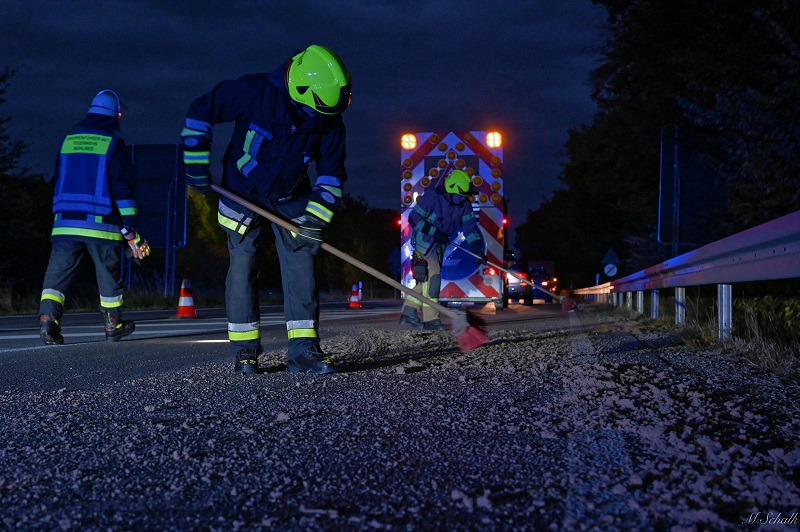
[{"x": 106, "y": 103}]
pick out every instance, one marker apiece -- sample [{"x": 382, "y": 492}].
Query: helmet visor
[{"x": 341, "y": 104}]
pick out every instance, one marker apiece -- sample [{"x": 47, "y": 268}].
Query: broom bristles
[{"x": 470, "y": 330}]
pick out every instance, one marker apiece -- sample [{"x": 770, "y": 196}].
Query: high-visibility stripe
[
  {"x": 302, "y": 333},
  {"x": 320, "y": 211},
  {"x": 424, "y": 292},
  {"x": 53, "y": 295},
  {"x": 240, "y": 332},
  {"x": 301, "y": 329},
  {"x": 90, "y": 233},
  {"x": 196, "y": 157},
  {"x": 244, "y": 327},
  {"x": 244, "y": 336},
  {"x": 110, "y": 303},
  {"x": 244, "y": 159},
  {"x": 234, "y": 225},
  {"x": 252, "y": 143}
]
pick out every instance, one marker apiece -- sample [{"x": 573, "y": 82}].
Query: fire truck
[{"x": 426, "y": 159}]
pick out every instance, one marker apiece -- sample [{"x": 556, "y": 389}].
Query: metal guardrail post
[
  {"x": 654, "y": 304},
  {"x": 680, "y": 305},
  {"x": 724, "y": 311},
  {"x": 640, "y": 302}
]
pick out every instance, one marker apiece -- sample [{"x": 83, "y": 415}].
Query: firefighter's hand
[
  {"x": 440, "y": 237},
  {"x": 138, "y": 246},
  {"x": 310, "y": 235},
  {"x": 419, "y": 269},
  {"x": 198, "y": 176}
]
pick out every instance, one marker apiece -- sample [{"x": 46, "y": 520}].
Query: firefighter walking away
[{"x": 95, "y": 215}]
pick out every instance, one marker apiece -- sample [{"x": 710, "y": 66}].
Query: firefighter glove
[
  {"x": 440, "y": 237},
  {"x": 198, "y": 177},
  {"x": 310, "y": 235},
  {"x": 419, "y": 269},
  {"x": 138, "y": 246}
]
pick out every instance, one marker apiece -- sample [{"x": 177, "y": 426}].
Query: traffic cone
[
  {"x": 355, "y": 298},
  {"x": 186, "y": 302}
]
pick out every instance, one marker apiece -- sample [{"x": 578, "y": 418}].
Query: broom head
[{"x": 470, "y": 330}]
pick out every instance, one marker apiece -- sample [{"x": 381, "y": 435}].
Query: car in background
[
  {"x": 541, "y": 278},
  {"x": 518, "y": 290}
]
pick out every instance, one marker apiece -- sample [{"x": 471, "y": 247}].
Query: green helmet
[
  {"x": 458, "y": 182},
  {"x": 317, "y": 77}
]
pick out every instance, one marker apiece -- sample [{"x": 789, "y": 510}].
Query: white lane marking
[{"x": 148, "y": 329}]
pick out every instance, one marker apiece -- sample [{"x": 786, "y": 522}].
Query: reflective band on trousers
[
  {"x": 301, "y": 329},
  {"x": 244, "y": 331},
  {"x": 111, "y": 302},
  {"x": 53, "y": 295}
]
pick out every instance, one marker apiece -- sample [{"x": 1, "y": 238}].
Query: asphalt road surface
[{"x": 587, "y": 420}]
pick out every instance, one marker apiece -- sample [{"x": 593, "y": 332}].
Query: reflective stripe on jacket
[
  {"x": 439, "y": 210},
  {"x": 273, "y": 140},
  {"x": 93, "y": 197}
]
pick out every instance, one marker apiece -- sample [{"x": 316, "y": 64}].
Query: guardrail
[{"x": 766, "y": 252}]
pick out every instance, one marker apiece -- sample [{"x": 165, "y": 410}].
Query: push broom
[
  {"x": 567, "y": 303},
  {"x": 469, "y": 329}
]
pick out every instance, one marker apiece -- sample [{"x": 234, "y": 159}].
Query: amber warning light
[
  {"x": 494, "y": 139},
  {"x": 408, "y": 141}
]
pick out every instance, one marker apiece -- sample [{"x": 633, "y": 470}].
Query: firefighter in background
[
  {"x": 284, "y": 121},
  {"x": 436, "y": 215},
  {"x": 95, "y": 212}
]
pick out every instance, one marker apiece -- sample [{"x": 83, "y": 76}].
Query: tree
[
  {"x": 726, "y": 75},
  {"x": 25, "y": 219}
]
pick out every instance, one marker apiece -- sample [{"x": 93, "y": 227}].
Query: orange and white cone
[
  {"x": 355, "y": 298},
  {"x": 186, "y": 302}
]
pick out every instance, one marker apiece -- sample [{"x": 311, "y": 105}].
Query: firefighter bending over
[
  {"x": 437, "y": 214},
  {"x": 284, "y": 121}
]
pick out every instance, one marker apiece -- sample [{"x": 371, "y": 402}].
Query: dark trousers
[
  {"x": 300, "y": 295},
  {"x": 65, "y": 259}
]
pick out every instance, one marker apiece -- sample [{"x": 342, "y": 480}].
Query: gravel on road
[{"x": 591, "y": 423}]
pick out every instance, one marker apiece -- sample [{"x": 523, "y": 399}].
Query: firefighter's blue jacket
[
  {"x": 272, "y": 145},
  {"x": 437, "y": 210},
  {"x": 93, "y": 197}
]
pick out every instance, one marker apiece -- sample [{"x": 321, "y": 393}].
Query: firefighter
[
  {"x": 436, "y": 215},
  {"x": 95, "y": 212},
  {"x": 284, "y": 121}
]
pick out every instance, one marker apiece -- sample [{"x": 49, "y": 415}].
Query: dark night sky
[{"x": 518, "y": 66}]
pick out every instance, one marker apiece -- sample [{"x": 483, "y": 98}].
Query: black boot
[
  {"x": 49, "y": 330},
  {"x": 409, "y": 318},
  {"x": 246, "y": 362},
  {"x": 116, "y": 328},
  {"x": 312, "y": 361}
]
